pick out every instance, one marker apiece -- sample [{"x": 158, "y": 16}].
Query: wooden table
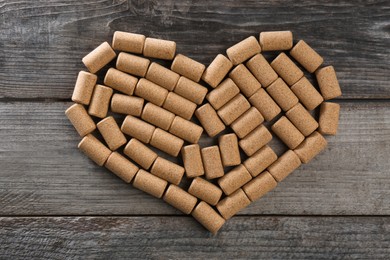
[{"x": 55, "y": 203}]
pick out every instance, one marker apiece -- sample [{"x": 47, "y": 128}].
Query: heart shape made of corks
[{"x": 159, "y": 104}]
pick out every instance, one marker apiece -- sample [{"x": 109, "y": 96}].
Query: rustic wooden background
[{"x": 55, "y": 203}]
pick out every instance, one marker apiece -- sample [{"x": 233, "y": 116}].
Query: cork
[
  {"x": 162, "y": 76},
  {"x": 328, "y": 83},
  {"x": 83, "y": 89},
  {"x": 217, "y": 70},
  {"x": 132, "y": 64},
  {"x": 212, "y": 162},
  {"x": 329, "y": 118},
  {"x": 137, "y": 128},
  {"x": 186, "y": 130},
  {"x": 190, "y": 90},
  {"x": 262, "y": 70},
  {"x": 159, "y": 49},
  {"x": 223, "y": 93},
  {"x": 243, "y": 50},
  {"x": 151, "y": 92},
  {"x": 244, "y": 79},
  {"x": 188, "y": 67},
  {"x": 179, "y": 105},
  {"x": 284, "y": 165},
  {"x": 149, "y": 183},
  {"x": 157, "y": 116},
  {"x": 121, "y": 167},
  {"x": 234, "y": 179},
  {"x": 311, "y": 147},
  {"x": 167, "y": 170},
  {"x": 302, "y": 119},
  {"x": 276, "y": 40},
  {"x": 128, "y": 105},
  {"x": 306, "y": 56},
  {"x": 192, "y": 160},
  {"x": 208, "y": 217},
  {"x": 286, "y": 69},
  {"x": 140, "y": 153},
  {"x": 166, "y": 142},
  {"x": 209, "y": 119},
  {"x": 231, "y": 205},
  {"x": 205, "y": 190},
  {"x": 307, "y": 93},
  {"x": 247, "y": 122},
  {"x": 233, "y": 109},
  {"x": 100, "y": 101},
  {"x": 94, "y": 149},
  {"x": 259, "y": 161},
  {"x": 180, "y": 199},
  {"x": 120, "y": 81},
  {"x": 228, "y": 146},
  {"x": 259, "y": 186},
  {"x": 265, "y": 104},
  {"x": 287, "y": 132},
  {"x": 282, "y": 94},
  {"x": 99, "y": 57},
  {"x": 80, "y": 119},
  {"x": 128, "y": 42},
  {"x": 111, "y": 133},
  {"x": 256, "y": 139}
]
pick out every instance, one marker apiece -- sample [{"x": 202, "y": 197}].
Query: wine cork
[
  {"x": 137, "y": 128},
  {"x": 132, "y": 64},
  {"x": 192, "y": 160},
  {"x": 120, "y": 81},
  {"x": 306, "y": 56},
  {"x": 212, "y": 162},
  {"x": 262, "y": 70},
  {"x": 151, "y": 92},
  {"x": 179, "y": 105},
  {"x": 99, "y": 57},
  {"x": 100, "y": 101},
  {"x": 190, "y": 90},
  {"x": 259, "y": 186},
  {"x": 256, "y": 139},
  {"x": 307, "y": 93},
  {"x": 276, "y": 40},
  {"x": 121, "y": 167},
  {"x": 247, "y": 122},
  {"x": 162, "y": 76},
  {"x": 111, "y": 133},
  {"x": 205, "y": 190},
  {"x": 302, "y": 119},
  {"x": 228, "y": 146},
  {"x": 94, "y": 149},
  {"x": 209, "y": 119},
  {"x": 167, "y": 170},
  {"x": 234, "y": 179},
  {"x": 282, "y": 94},
  {"x": 217, "y": 70},
  {"x": 223, "y": 93},
  {"x": 287, "y": 132},
  {"x": 166, "y": 142},
  {"x": 284, "y": 165},
  {"x": 265, "y": 104},
  {"x": 243, "y": 50},
  {"x": 233, "y": 109},
  {"x": 328, "y": 83},
  {"x": 329, "y": 118},
  {"x": 188, "y": 67},
  {"x": 140, "y": 153},
  {"x": 186, "y": 130},
  {"x": 159, "y": 49},
  {"x": 208, "y": 217},
  {"x": 128, "y": 42},
  {"x": 149, "y": 183},
  {"x": 259, "y": 161},
  {"x": 231, "y": 205},
  {"x": 244, "y": 79},
  {"x": 128, "y": 105},
  {"x": 286, "y": 69},
  {"x": 80, "y": 119},
  {"x": 83, "y": 89},
  {"x": 157, "y": 116},
  {"x": 180, "y": 199},
  {"x": 311, "y": 147}
]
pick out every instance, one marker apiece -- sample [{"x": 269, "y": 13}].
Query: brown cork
[
  {"x": 180, "y": 199},
  {"x": 205, "y": 190},
  {"x": 111, "y": 133},
  {"x": 121, "y": 167},
  {"x": 192, "y": 160},
  {"x": 248, "y": 121},
  {"x": 128, "y": 42},
  {"x": 262, "y": 70},
  {"x": 209, "y": 119},
  {"x": 276, "y": 40},
  {"x": 149, "y": 183},
  {"x": 244, "y": 79},
  {"x": 162, "y": 76},
  {"x": 232, "y": 204},
  {"x": 284, "y": 165},
  {"x": 265, "y": 104},
  {"x": 190, "y": 90},
  {"x": 307, "y": 93},
  {"x": 223, "y": 93},
  {"x": 151, "y": 92},
  {"x": 302, "y": 119},
  {"x": 157, "y": 116},
  {"x": 94, "y": 149},
  {"x": 286, "y": 69},
  {"x": 306, "y": 56},
  {"x": 328, "y": 83},
  {"x": 233, "y": 109},
  {"x": 217, "y": 70},
  {"x": 243, "y": 50},
  {"x": 234, "y": 179},
  {"x": 80, "y": 119},
  {"x": 83, "y": 89},
  {"x": 140, "y": 153},
  {"x": 228, "y": 146},
  {"x": 259, "y": 161},
  {"x": 120, "y": 81},
  {"x": 282, "y": 94},
  {"x": 259, "y": 186},
  {"x": 311, "y": 147},
  {"x": 186, "y": 130},
  {"x": 287, "y": 132},
  {"x": 166, "y": 142},
  {"x": 167, "y": 170},
  {"x": 188, "y": 67},
  {"x": 137, "y": 128},
  {"x": 99, "y": 57},
  {"x": 132, "y": 64},
  {"x": 256, "y": 139},
  {"x": 212, "y": 162},
  {"x": 128, "y": 105},
  {"x": 208, "y": 217},
  {"x": 100, "y": 101},
  {"x": 329, "y": 118},
  {"x": 159, "y": 49},
  {"x": 179, "y": 105}
]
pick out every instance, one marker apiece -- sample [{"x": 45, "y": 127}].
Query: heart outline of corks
[{"x": 246, "y": 91}]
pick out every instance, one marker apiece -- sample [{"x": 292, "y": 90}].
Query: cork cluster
[{"x": 170, "y": 108}]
